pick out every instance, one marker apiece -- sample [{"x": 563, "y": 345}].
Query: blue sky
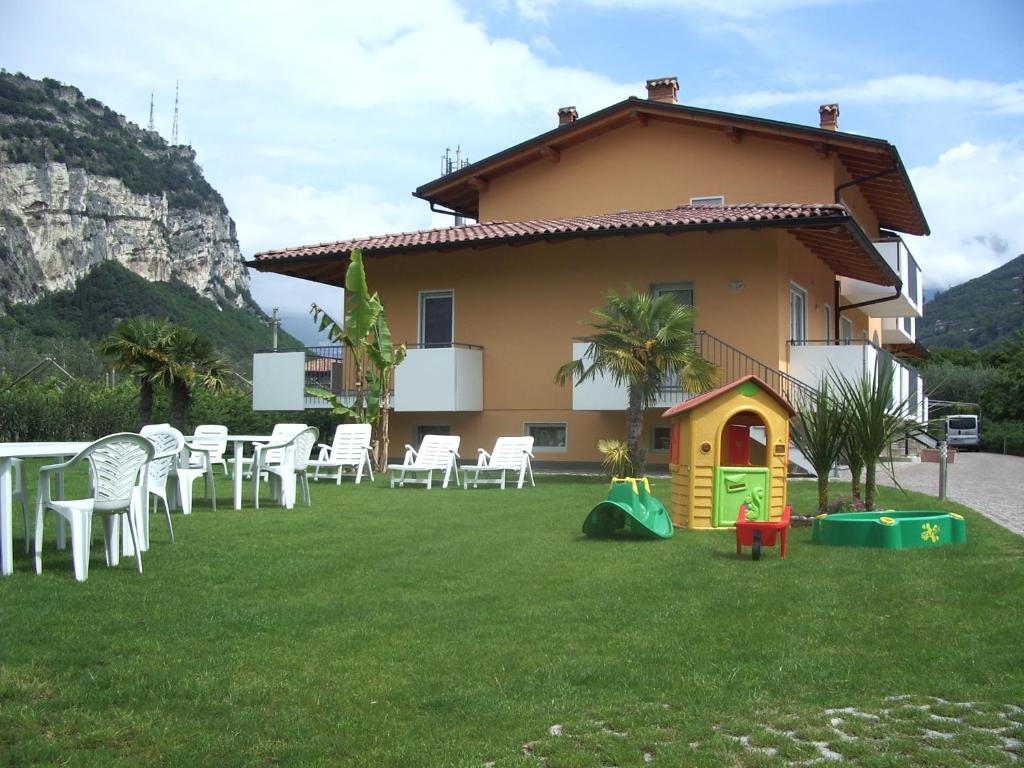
[{"x": 316, "y": 120}]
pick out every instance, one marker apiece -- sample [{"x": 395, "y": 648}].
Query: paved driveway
[{"x": 991, "y": 483}]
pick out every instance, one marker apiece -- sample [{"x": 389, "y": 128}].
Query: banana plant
[{"x": 366, "y": 336}]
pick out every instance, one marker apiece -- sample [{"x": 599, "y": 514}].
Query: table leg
[
  {"x": 6, "y": 516},
  {"x": 237, "y": 474},
  {"x": 62, "y": 542}
]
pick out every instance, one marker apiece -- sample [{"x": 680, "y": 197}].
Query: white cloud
[
  {"x": 539, "y": 10},
  {"x": 999, "y": 98},
  {"x": 974, "y": 200}
]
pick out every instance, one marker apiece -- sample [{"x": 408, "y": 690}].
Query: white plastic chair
[
  {"x": 293, "y": 455},
  {"x": 116, "y": 463},
  {"x": 351, "y": 448},
  {"x": 210, "y": 439},
  {"x": 437, "y": 453},
  {"x": 510, "y": 454},
  {"x": 168, "y": 443},
  {"x": 271, "y": 455}
]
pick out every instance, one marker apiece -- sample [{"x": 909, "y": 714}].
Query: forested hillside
[{"x": 66, "y": 325}]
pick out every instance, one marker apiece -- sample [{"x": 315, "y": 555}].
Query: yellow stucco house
[{"x": 784, "y": 237}]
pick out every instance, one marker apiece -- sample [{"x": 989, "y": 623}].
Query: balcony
[
  {"x": 899, "y": 330},
  {"x": 440, "y": 379},
  {"x": 910, "y": 301},
  {"x": 812, "y": 361},
  {"x": 601, "y": 393}
]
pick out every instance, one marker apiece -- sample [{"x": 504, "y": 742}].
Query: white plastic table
[
  {"x": 8, "y": 451},
  {"x": 238, "y": 442}
]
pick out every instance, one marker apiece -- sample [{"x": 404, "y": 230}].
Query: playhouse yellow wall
[{"x": 692, "y": 478}]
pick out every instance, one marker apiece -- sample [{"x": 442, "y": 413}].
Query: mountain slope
[
  {"x": 67, "y": 324},
  {"x": 80, "y": 185},
  {"x": 977, "y": 314}
]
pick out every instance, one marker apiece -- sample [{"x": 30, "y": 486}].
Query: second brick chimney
[
  {"x": 567, "y": 115},
  {"x": 829, "y": 117},
  {"x": 663, "y": 89}
]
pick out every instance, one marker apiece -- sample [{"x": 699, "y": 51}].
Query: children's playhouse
[{"x": 728, "y": 447}]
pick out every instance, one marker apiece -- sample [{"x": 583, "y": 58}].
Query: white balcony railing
[
  {"x": 811, "y": 362},
  {"x": 440, "y": 379},
  {"x": 602, "y": 394},
  {"x": 910, "y": 301}
]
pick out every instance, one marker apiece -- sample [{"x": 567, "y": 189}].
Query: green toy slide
[{"x": 629, "y": 506}]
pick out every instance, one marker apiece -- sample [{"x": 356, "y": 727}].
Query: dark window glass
[{"x": 437, "y": 320}]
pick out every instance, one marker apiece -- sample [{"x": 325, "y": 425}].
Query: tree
[
  {"x": 640, "y": 342},
  {"x": 162, "y": 353},
  {"x": 192, "y": 361},
  {"x": 366, "y": 336},
  {"x": 133, "y": 345},
  {"x": 820, "y": 436}
]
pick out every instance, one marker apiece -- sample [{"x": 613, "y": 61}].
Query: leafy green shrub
[{"x": 1000, "y": 437}]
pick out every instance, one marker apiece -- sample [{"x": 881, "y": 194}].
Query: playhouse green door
[{"x": 739, "y": 485}]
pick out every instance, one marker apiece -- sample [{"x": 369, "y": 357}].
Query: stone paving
[{"x": 991, "y": 483}]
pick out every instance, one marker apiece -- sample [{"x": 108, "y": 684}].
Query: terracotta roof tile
[{"x": 489, "y": 231}]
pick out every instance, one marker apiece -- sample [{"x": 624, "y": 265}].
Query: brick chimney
[
  {"x": 829, "y": 117},
  {"x": 663, "y": 89},
  {"x": 567, "y": 115}
]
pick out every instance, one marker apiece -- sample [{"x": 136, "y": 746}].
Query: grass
[{"x": 449, "y": 628}]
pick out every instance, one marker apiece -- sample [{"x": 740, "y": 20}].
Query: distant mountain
[
  {"x": 976, "y": 314},
  {"x": 301, "y": 326},
  {"x": 80, "y": 185},
  {"x": 66, "y": 325}
]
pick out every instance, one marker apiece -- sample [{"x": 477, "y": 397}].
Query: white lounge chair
[
  {"x": 437, "y": 453},
  {"x": 510, "y": 454},
  {"x": 351, "y": 448},
  {"x": 116, "y": 462},
  {"x": 292, "y": 461}
]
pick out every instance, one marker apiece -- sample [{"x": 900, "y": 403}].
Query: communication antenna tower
[
  {"x": 174, "y": 125},
  {"x": 450, "y": 163},
  {"x": 151, "y": 126}
]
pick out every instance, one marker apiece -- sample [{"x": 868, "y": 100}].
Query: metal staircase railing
[{"x": 734, "y": 364}]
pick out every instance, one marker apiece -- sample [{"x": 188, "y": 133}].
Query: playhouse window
[{"x": 744, "y": 441}]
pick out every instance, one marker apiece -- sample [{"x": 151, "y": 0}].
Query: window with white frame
[
  {"x": 797, "y": 314},
  {"x": 846, "y": 330},
  {"x": 661, "y": 439},
  {"x": 547, "y": 436},
  {"x": 708, "y": 200},
  {"x": 437, "y": 318},
  {"x": 828, "y": 323}
]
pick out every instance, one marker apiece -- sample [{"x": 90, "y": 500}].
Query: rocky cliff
[
  {"x": 56, "y": 223},
  {"x": 80, "y": 185}
]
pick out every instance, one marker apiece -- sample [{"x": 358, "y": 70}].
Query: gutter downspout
[{"x": 855, "y": 182}]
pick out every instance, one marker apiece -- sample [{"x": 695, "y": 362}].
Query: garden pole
[{"x": 943, "y": 454}]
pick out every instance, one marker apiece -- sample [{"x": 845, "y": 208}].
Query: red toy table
[{"x": 755, "y": 534}]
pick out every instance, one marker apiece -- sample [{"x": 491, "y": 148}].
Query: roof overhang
[
  {"x": 891, "y": 196},
  {"x": 829, "y": 232}
]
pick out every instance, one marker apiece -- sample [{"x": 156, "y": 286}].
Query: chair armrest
[
  {"x": 410, "y": 455},
  {"x": 43, "y": 488},
  {"x": 483, "y": 458}
]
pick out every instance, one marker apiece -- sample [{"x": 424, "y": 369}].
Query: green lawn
[{"x": 446, "y": 628}]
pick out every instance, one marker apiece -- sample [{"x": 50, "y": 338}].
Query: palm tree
[
  {"x": 133, "y": 345},
  {"x": 192, "y": 361},
  {"x": 874, "y": 421},
  {"x": 640, "y": 342},
  {"x": 820, "y": 435}
]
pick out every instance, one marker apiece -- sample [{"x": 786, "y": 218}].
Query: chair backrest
[
  {"x": 282, "y": 434},
  {"x": 165, "y": 439},
  {"x": 303, "y": 445},
  {"x": 510, "y": 452},
  {"x": 350, "y": 443},
  {"x": 212, "y": 438},
  {"x": 115, "y": 461},
  {"x": 436, "y": 450}
]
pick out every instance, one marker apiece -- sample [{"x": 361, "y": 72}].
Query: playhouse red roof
[{"x": 693, "y": 402}]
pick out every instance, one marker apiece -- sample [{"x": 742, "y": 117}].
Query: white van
[{"x": 963, "y": 431}]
